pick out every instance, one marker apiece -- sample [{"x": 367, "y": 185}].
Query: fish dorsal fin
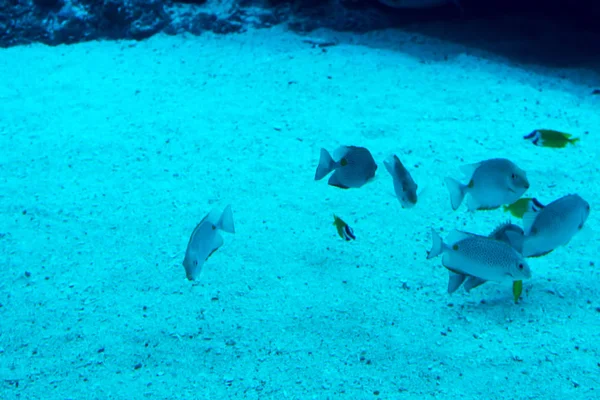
[
  {"x": 340, "y": 153},
  {"x": 456, "y": 236},
  {"x": 528, "y": 220},
  {"x": 469, "y": 169},
  {"x": 515, "y": 240},
  {"x": 217, "y": 242},
  {"x": 499, "y": 228}
]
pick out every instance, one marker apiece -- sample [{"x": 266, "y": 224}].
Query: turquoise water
[{"x": 112, "y": 152}]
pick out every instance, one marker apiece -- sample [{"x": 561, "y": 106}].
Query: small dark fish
[
  {"x": 320, "y": 42},
  {"x": 596, "y": 91},
  {"x": 354, "y": 167},
  {"x": 521, "y": 206},
  {"x": 404, "y": 185},
  {"x": 550, "y": 138},
  {"x": 343, "y": 229}
]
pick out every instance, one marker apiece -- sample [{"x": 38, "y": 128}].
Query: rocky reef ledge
[{"x": 68, "y": 21}]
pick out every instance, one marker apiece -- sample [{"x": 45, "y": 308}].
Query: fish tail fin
[
  {"x": 457, "y": 192},
  {"x": 424, "y": 192},
  {"x": 326, "y": 165},
  {"x": 226, "y": 221},
  {"x": 573, "y": 140},
  {"x": 437, "y": 245}
]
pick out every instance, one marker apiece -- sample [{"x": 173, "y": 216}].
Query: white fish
[
  {"x": 554, "y": 225},
  {"x": 404, "y": 185},
  {"x": 354, "y": 167},
  {"x": 478, "y": 259},
  {"x": 205, "y": 240},
  {"x": 492, "y": 183},
  {"x": 514, "y": 238}
]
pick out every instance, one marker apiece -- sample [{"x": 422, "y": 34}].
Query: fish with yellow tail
[{"x": 550, "y": 138}]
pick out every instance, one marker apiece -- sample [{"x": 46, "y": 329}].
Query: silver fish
[
  {"x": 506, "y": 232},
  {"x": 554, "y": 225},
  {"x": 354, "y": 167},
  {"x": 478, "y": 259},
  {"x": 205, "y": 240},
  {"x": 492, "y": 183},
  {"x": 404, "y": 185}
]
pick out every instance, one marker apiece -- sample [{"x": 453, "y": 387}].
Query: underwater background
[{"x": 111, "y": 152}]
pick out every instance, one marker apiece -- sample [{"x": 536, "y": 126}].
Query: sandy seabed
[{"x": 111, "y": 152}]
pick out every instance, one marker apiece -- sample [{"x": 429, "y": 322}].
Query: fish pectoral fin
[
  {"x": 454, "y": 281},
  {"x": 210, "y": 254},
  {"x": 473, "y": 282},
  {"x": 334, "y": 180},
  {"x": 217, "y": 242},
  {"x": 528, "y": 220},
  {"x": 469, "y": 169}
]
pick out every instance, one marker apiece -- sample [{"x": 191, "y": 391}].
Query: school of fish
[{"x": 471, "y": 259}]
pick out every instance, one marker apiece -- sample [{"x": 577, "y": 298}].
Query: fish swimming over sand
[
  {"x": 404, "y": 185},
  {"x": 492, "y": 183},
  {"x": 550, "y": 138},
  {"x": 514, "y": 238},
  {"x": 205, "y": 240},
  {"x": 343, "y": 229},
  {"x": 472, "y": 259},
  {"x": 523, "y": 205},
  {"x": 353, "y": 166},
  {"x": 554, "y": 225}
]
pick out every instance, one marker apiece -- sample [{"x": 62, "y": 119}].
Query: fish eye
[
  {"x": 521, "y": 267},
  {"x": 514, "y": 176},
  {"x": 195, "y": 263}
]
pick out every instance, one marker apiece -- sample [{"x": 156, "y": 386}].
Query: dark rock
[
  {"x": 190, "y": 1},
  {"x": 69, "y": 21},
  {"x": 48, "y": 4},
  {"x": 130, "y": 19}
]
